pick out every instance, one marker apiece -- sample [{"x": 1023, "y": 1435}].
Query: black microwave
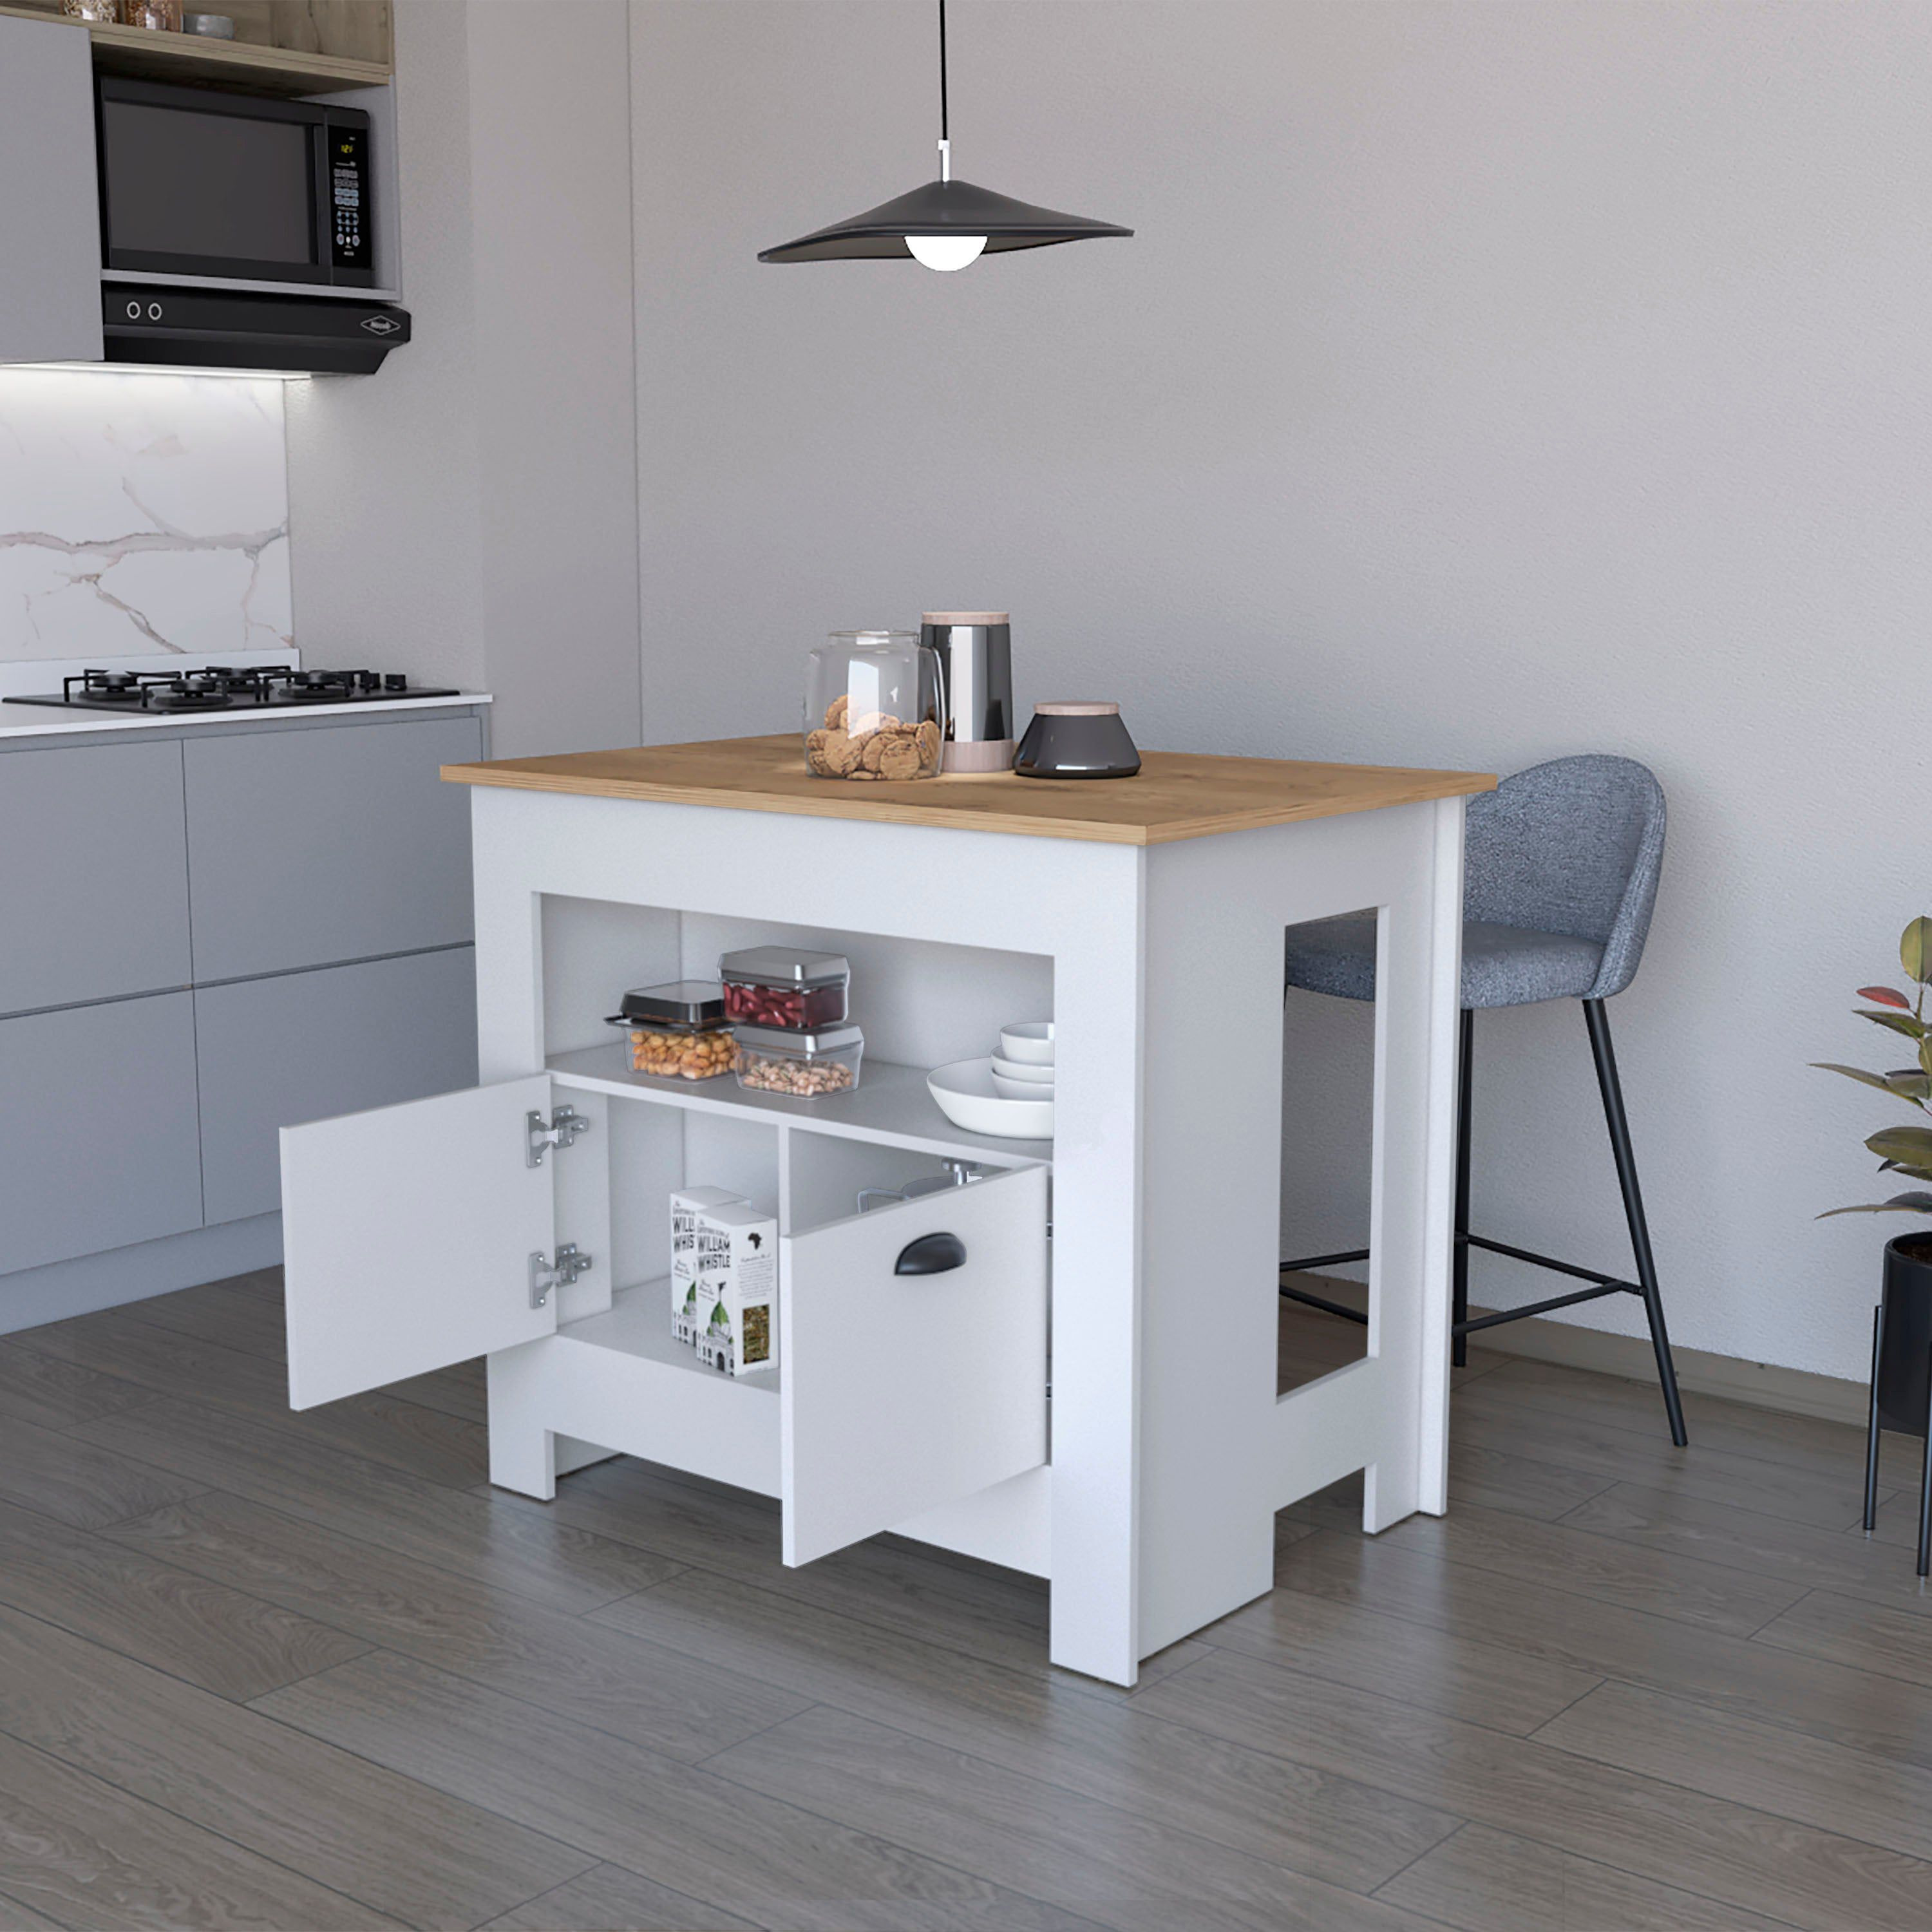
[{"x": 195, "y": 183}]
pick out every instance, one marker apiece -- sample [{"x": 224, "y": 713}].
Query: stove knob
[
  {"x": 394, "y": 680},
  {"x": 367, "y": 680}
]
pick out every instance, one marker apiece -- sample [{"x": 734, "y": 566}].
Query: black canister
[{"x": 1070, "y": 740}]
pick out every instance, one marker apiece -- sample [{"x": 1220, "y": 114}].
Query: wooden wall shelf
[{"x": 188, "y": 59}]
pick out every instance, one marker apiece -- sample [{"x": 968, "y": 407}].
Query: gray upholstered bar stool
[{"x": 1561, "y": 870}]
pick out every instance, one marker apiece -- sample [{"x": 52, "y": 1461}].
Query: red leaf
[{"x": 1886, "y": 997}]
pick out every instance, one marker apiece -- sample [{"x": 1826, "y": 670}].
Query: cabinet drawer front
[
  {"x": 305, "y": 1046},
  {"x": 315, "y": 847},
  {"x": 903, "y": 1391},
  {"x": 97, "y": 1146},
  {"x": 94, "y": 876}
]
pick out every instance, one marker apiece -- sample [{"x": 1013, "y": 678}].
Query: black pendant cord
[{"x": 945, "y": 130}]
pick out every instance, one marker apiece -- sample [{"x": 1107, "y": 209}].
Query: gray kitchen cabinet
[
  {"x": 94, "y": 865},
  {"x": 304, "y": 1046},
  {"x": 316, "y": 846},
  {"x": 98, "y": 1145},
  {"x": 49, "y": 211}
]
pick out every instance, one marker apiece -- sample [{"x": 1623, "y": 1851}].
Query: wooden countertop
[{"x": 1176, "y": 794}]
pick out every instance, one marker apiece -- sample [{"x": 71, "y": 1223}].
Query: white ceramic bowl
[
  {"x": 1017, "y": 1069},
  {"x": 965, "y": 1094},
  {"x": 1021, "y": 1090},
  {"x": 1029, "y": 1041}
]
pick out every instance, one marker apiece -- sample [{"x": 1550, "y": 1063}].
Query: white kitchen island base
[{"x": 1107, "y": 1421}]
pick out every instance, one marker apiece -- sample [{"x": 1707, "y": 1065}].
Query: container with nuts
[
  {"x": 808, "y": 1066},
  {"x": 678, "y": 1031},
  {"x": 873, "y": 707}
]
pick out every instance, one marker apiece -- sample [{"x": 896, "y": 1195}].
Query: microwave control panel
[{"x": 351, "y": 245}]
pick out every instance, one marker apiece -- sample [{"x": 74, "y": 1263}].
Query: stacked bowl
[{"x": 1009, "y": 1094}]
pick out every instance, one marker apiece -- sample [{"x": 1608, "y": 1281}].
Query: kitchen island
[{"x": 1091, "y": 1396}]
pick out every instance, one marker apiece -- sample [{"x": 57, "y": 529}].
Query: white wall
[
  {"x": 470, "y": 514},
  {"x": 1485, "y": 383}
]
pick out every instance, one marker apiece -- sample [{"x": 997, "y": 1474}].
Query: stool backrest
[{"x": 1574, "y": 846}]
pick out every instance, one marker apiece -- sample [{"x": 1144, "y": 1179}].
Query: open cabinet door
[
  {"x": 407, "y": 1234},
  {"x": 904, "y": 1389}
]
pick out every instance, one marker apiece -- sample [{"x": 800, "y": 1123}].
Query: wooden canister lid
[{"x": 1080, "y": 709}]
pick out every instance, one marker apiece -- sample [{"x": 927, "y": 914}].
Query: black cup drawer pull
[{"x": 931, "y": 1254}]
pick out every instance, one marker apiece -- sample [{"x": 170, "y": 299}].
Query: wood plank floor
[{"x": 297, "y": 1673}]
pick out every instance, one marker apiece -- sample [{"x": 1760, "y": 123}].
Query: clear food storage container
[
  {"x": 677, "y": 1031},
  {"x": 775, "y": 986},
  {"x": 873, "y": 708},
  {"x": 808, "y": 1065}
]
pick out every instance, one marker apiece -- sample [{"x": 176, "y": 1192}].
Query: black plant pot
[
  {"x": 1905, "y": 1349},
  {"x": 1901, "y": 1390}
]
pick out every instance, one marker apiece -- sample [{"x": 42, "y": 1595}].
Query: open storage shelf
[
  {"x": 890, "y": 1105},
  {"x": 261, "y": 68}
]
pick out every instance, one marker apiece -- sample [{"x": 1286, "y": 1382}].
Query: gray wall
[
  {"x": 470, "y": 514},
  {"x": 1485, "y": 383}
]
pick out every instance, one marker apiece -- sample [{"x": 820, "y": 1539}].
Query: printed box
[
  {"x": 736, "y": 1307},
  {"x": 687, "y": 1204}
]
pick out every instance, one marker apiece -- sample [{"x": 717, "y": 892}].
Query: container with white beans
[{"x": 808, "y": 1065}]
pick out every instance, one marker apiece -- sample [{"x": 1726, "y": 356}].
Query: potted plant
[{"x": 1902, "y": 1342}]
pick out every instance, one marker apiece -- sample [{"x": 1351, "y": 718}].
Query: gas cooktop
[{"x": 223, "y": 688}]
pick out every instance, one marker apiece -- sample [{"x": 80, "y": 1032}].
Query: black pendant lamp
[{"x": 946, "y": 224}]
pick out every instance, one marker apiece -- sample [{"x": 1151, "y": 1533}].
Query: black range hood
[{"x": 158, "y": 325}]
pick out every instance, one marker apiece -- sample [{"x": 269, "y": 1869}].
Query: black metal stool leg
[
  {"x": 1458, "y": 1350},
  {"x": 1605, "y": 1054},
  {"x": 1871, "y": 1423}
]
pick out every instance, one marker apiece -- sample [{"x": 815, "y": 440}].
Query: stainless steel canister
[{"x": 976, "y": 660}]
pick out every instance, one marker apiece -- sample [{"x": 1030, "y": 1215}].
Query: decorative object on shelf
[
  {"x": 1076, "y": 740},
  {"x": 159, "y": 16},
  {"x": 976, "y": 673},
  {"x": 95, "y": 13},
  {"x": 947, "y": 224},
  {"x": 1901, "y": 1381},
  {"x": 872, "y": 707},
  {"x": 209, "y": 26}
]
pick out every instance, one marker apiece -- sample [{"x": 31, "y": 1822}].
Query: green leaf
[
  {"x": 1911, "y": 1085},
  {"x": 1909, "y": 1147},
  {"x": 1884, "y": 996},
  {"x": 1917, "y": 1203},
  {"x": 1904, "y": 1023},
  {"x": 1915, "y": 950},
  {"x": 1900, "y": 1167},
  {"x": 1878, "y": 1080}
]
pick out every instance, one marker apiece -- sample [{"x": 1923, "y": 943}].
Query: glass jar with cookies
[{"x": 873, "y": 707}]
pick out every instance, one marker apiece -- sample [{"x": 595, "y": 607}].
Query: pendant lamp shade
[
  {"x": 941, "y": 208},
  {"x": 946, "y": 224}
]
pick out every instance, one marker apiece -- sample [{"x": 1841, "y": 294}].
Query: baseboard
[
  {"x": 32, "y": 1296},
  {"x": 1763, "y": 1384}
]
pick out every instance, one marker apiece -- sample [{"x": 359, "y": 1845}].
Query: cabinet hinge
[
  {"x": 562, "y": 1128},
  {"x": 546, "y": 1274}
]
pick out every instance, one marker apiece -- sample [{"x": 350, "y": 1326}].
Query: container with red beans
[{"x": 776, "y": 986}]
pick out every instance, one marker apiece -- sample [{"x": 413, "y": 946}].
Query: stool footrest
[{"x": 1544, "y": 1307}]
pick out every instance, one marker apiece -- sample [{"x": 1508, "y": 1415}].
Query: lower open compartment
[{"x": 910, "y": 1387}]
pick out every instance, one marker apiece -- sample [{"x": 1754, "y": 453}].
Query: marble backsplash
[{"x": 142, "y": 514}]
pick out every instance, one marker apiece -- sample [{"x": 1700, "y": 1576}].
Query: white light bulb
[{"x": 945, "y": 252}]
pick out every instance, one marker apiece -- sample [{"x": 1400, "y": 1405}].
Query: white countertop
[{"x": 35, "y": 720}]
